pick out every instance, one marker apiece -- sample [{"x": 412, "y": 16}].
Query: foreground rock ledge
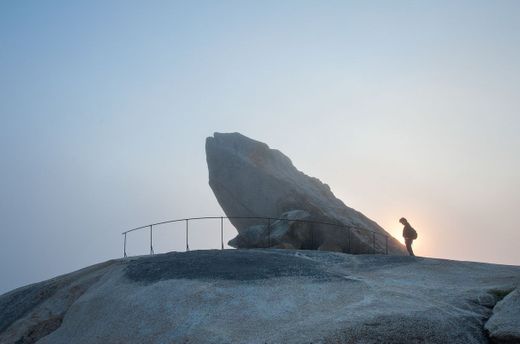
[{"x": 263, "y": 296}]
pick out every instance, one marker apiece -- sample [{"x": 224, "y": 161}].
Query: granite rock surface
[{"x": 267, "y": 296}]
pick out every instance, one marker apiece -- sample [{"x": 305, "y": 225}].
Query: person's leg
[{"x": 409, "y": 246}]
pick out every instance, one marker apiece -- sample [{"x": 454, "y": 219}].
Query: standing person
[{"x": 409, "y": 235}]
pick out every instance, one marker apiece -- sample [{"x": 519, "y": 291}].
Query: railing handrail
[
  {"x": 186, "y": 220},
  {"x": 253, "y": 218}
]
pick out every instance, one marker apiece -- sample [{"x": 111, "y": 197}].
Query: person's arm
[{"x": 406, "y": 231}]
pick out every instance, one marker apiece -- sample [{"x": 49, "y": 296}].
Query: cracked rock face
[
  {"x": 31, "y": 313},
  {"x": 266, "y": 296},
  {"x": 250, "y": 179}
]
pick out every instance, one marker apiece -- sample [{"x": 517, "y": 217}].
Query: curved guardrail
[{"x": 269, "y": 220}]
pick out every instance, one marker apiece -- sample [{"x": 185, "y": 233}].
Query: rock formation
[
  {"x": 267, "y": 296},
  {"x": 251, "y": 180},
  {"x": 504, "y": 324}
]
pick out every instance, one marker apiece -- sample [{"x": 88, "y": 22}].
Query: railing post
[
  {"x": 151, "y": 240},
  {"x": 386, "y": 244},
  {"x": 187, "y": 245},
  {"x": 124, "y": 247},
  {"x": 268, "y": 232},
  {"x": 349, "y": 240},
  {"x": 221, "y": 233},
  {"x": 374, "y": 242},
  {"x": 312, "y": 237}
]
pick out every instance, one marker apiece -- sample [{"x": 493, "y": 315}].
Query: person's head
[{"x": 403, "y": 221}]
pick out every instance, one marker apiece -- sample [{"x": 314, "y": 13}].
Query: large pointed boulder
[{"x": 252, "y": 181}]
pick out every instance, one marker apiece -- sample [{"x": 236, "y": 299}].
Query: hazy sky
[{"x": 405, "y": 108}]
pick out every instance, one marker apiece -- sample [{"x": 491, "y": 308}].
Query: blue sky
[{"x": 404, "y": 108}]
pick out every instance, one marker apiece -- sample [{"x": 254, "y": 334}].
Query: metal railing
[{"x": 270, "y": 220}]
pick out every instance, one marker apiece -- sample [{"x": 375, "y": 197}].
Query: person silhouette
[{"x": 409, "y": 235}]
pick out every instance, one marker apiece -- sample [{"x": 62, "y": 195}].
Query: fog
[{"x": 403, "y": 108}]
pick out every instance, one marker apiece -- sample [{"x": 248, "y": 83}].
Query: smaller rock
[
  {"x": 504, "y": 324},
  {"x": 299, "y": 230},
  {"x": 289, "y": 234}
]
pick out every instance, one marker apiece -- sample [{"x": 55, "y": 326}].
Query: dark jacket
[{"x": 409, "y": 232}]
